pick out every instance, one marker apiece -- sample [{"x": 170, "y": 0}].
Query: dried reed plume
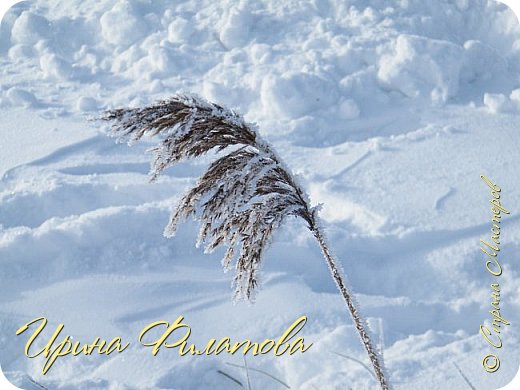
[{"x": 243, "y": 196}]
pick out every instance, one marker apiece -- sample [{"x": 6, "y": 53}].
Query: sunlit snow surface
[{"x": 388, "y": 111}]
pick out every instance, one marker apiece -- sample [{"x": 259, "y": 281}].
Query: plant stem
[
  {"x": 247, "y": 374},
  {"x": 358, "y": 362},
  {"x": 354, "y": 312},
  {"x": 464, "y": 377}
]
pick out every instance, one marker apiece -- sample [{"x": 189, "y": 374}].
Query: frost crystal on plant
[{"x": 243, "y": 196}]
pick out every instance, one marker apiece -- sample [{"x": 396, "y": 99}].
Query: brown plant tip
[
  {"x": 190, "y": 125},
  {"x": 243, "y": 196}
]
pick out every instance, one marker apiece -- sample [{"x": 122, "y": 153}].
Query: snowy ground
[{"x": 388, "y": 111}]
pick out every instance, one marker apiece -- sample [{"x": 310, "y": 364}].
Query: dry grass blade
[
  {"x": 247, "y": 373},
  {"x": 230, "y": 378},
  {"x": 464, "y": 377},
  {"x": 358, "y": 362},
  {"x": 243, "y": 197},
  {"x": 40, "y": 386},
  {"x": 261, "y": 372}
]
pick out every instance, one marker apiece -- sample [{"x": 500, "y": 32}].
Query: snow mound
[
  {"x": 293, "y": 95},
  {"x": 29, "y": 28},
  {"x": 385, "y": 109},
  {"x": 122, "y": 25},
  {"x": 421, "y": 67}
]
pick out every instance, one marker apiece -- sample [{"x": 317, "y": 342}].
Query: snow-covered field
[{"x": 388, "y": 111}]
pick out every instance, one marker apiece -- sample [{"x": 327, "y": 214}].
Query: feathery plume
[{"x": 243, "y": 197}]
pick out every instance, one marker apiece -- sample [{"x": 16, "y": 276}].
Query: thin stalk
[
  {"x": 36, "y": 383},
  {"x": 247, "y": 374},
  {"x": 262, "y": 372},
  {"x": 230, "y": 378},
  {"x": 354, "y": 311},
  {"x": 359, "y": 362},
  {"x": 464, "y": 377},
  {"x": 381, "y": 336}
]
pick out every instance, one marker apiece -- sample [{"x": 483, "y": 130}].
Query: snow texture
[{"x": 387, "y": 111}]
